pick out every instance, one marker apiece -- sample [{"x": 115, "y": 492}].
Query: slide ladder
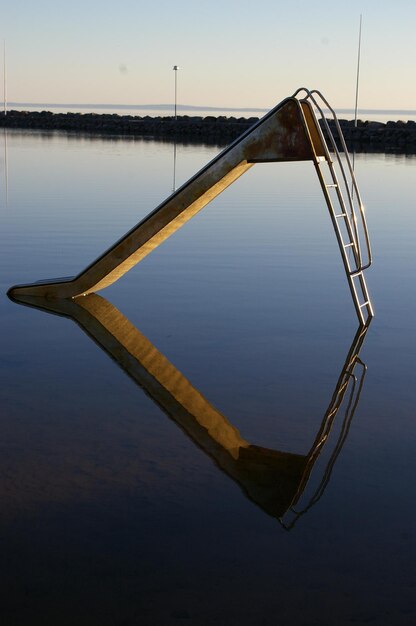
[{"x": 336, "y": 175}]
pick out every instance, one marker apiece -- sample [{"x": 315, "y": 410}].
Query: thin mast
[
  {"x": 358, "y": 73},
  {"x": 4, "y": 77}
]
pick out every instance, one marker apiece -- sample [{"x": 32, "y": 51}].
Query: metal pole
[
  {"x": 175, "y": 68},
  {"x": 358, "y": 73},
  {"x": 4, "y": 78},
  {"x": 356, "y": 100}
]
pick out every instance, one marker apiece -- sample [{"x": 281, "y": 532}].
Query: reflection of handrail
[
  {"x": 347, "y": 376},
  {"x": 274, "y": 480},
  {"x": 349, "y": 413}
]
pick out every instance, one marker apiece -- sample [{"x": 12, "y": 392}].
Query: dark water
[{"x": 118, "y": 505}]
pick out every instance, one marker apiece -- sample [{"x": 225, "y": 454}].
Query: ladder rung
[
  {"x": 348, "y": 245},
  {"x": 331, "y": 185},
  {"x": 356, "y": 273},
  {"x": 341, "y": 215},
  {"x": 364, "y": 303}
]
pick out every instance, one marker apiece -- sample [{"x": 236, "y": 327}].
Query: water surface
[{"x": 116, "y": 512}]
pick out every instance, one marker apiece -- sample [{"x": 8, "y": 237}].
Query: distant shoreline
[
  {"x": 368, "y": 136},
  {"x": 185, "y": 108},
  {"x": 166, "y": 107}
]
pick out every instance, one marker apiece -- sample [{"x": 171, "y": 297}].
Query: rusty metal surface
[{"x": 282, "y": 138}]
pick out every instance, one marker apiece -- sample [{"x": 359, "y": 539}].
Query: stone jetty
[{"x": 367, "y": 136}]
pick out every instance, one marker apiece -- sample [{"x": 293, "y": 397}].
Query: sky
[{"x": 230, "y": 53}]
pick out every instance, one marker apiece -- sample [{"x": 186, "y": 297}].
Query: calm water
[{"x": 119, "y": 507}]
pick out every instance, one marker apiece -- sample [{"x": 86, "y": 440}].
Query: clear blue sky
[{"x": 231, "y": 53}]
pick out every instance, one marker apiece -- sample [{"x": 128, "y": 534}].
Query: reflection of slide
[
  {"x": 289, "y": 132},
  {"x": 272, "y": 479}
]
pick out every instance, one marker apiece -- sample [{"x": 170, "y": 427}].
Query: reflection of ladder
[
  {"x": 347, "y": 379},
  {"x": 289, "y": 132},
  {"x": 343, "y": 199}
]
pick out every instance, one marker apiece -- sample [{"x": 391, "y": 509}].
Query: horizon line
[
  {"x": 186, "y": 107},
  {"x": 193, "y": 107}
]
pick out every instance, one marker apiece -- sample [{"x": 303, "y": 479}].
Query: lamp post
[{"x": 175, "y": 69}]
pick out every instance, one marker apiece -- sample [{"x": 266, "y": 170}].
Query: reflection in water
[
  {"x": 275, "y": 480},
  {"x": 6, "y": 169},
  {"x": 346, "y": 379},
  {"x": 174, "y": 166}
]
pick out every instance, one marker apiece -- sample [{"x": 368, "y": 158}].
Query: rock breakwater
[{"x": 367, "y": 136}]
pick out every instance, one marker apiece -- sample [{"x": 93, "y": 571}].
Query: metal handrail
[{"x": 310, "y": 96}]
